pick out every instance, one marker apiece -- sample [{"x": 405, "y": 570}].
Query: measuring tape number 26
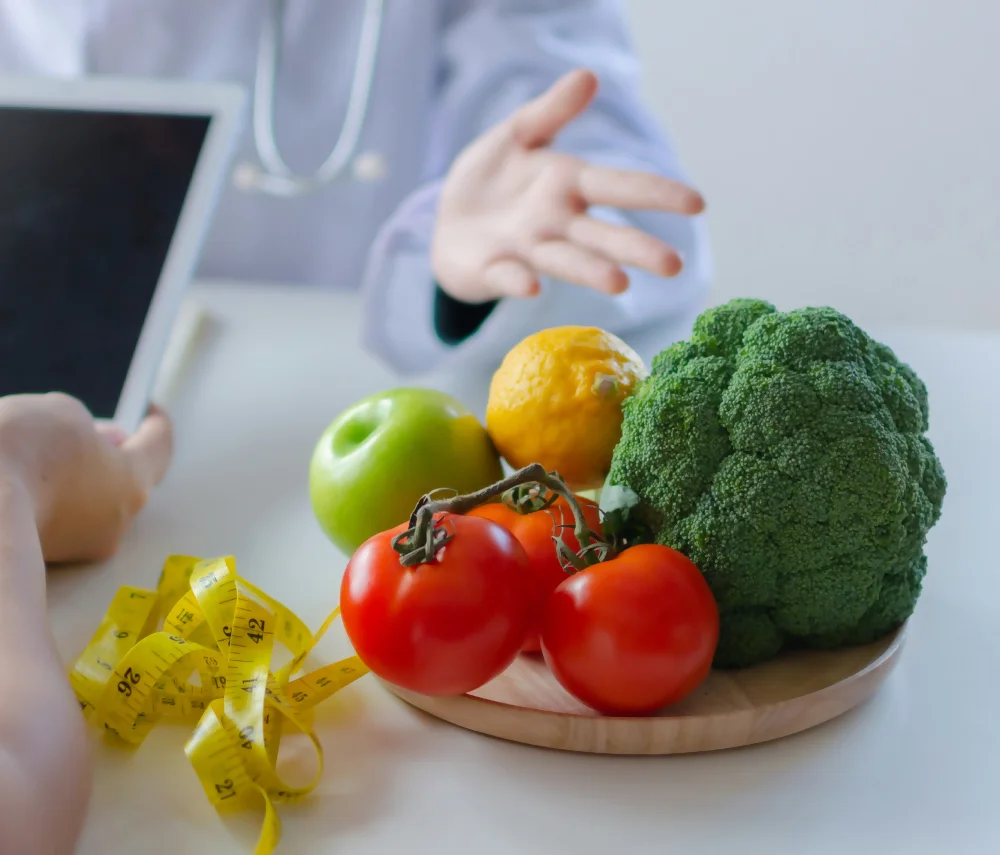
[{"x": 204, "y": 620}]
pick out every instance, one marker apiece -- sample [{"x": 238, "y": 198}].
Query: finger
[
  {"x": 636, "y": 190},
  {"x": 537, "y": 122},
  {"x": 628, "y": 246},
  {"x": 510, "y": 278},
  {"x": 570, "y": 263},
  {"x": 150, "y": 448},
  {"x": 111, "y": 432}
]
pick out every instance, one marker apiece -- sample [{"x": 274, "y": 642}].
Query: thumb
[
  {"x": 537, "y": 122},
  {"x": 150, "y": 449}
]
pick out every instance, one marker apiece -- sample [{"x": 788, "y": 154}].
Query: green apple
[{"x": 374, "y": 462}]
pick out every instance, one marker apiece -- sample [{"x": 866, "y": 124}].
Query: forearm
[{"x": 45, "y": 764}]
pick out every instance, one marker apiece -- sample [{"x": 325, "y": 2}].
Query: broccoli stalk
[{"x": 784, "y": 453}]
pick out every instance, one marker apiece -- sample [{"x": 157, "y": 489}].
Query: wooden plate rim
[{"x": 461, "y": 705}]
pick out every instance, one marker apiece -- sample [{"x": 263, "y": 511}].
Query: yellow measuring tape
[{"x": 204, "y": 622}]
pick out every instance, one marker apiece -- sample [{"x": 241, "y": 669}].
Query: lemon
[{"x": 556, "y": 399}]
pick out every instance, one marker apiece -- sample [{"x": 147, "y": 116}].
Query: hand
[
  {"x": 512, "y": 210},
  {"x": 87, "y": 480}
]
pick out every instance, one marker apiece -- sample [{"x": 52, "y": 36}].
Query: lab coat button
[{"x": 369, "y": 166}]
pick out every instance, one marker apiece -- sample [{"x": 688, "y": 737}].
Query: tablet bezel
[{"x": 224, "y": 104}]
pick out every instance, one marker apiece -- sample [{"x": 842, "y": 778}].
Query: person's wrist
[
  {"x": 14, "y": 492},
  {"x": 18, "y": 464}
]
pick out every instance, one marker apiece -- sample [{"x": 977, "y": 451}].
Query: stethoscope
[{"x": 272, "y": 175}]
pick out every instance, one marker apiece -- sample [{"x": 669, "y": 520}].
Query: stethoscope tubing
[{"x": 273, "y": 176}]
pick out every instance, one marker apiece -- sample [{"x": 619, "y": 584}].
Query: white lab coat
[{"x": 447, "y": 70}]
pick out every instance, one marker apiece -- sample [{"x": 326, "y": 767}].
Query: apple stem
[{"x": 420, "y": 543}]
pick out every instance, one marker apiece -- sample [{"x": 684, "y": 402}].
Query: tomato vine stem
[{"x": 424, "y": 537}]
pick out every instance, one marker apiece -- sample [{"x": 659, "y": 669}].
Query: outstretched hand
[
  {"x": 87, "y": 480},
  {"x": 513, "y": 210}
]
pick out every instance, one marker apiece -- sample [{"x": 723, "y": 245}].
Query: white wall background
[{"x": 849, "y": 150}]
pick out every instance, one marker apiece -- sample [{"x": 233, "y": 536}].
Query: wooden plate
[{"x": 789, "y": 694}]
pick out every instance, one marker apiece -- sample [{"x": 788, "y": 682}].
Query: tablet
[{"x": 107, "y": 190}]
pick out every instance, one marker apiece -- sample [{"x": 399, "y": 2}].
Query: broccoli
[{"x": 784, "y": 453}]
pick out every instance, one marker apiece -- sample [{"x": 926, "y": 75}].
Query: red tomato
[
  {"x": 634, "y": 634},
  {"x": 441, "y": 628},
  {"x": 534, "y": 532}
]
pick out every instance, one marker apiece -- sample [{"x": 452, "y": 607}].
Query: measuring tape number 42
[{"x": 204, "y": 622}]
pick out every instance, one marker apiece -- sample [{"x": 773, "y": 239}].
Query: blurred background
[{"x": 849, "y": 150}]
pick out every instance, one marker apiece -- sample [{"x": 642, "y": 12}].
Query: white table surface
[{"x": 916, "y": 770}]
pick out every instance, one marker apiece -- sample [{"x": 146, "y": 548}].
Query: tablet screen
[{"x": 89, "y": 202}]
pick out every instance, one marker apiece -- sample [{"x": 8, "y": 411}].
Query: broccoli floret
[{"x": 784, "y": 453}]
